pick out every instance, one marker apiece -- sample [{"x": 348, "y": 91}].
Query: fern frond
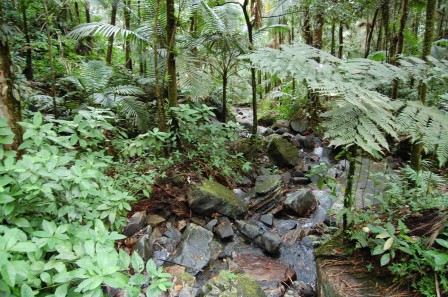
[{"x": 105, "y": 30}]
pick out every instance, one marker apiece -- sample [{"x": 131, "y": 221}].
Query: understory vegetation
[{"x": 102, "y": 102}]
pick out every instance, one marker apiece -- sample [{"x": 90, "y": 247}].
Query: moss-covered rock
[
  {"x": 283, "y": 153},
  {"x": 228, "y": 284},
  {"x": 210, "y": 197},
  {"x": 266, "y": 120}
]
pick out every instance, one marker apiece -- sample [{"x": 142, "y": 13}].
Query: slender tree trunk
[
  {"x": 370, "y": 33},
  {"x": 113, "y": 21},
  {"x": 28, "y": 71},
  {"x": 307, "y": 27},
  {"x": 349, "y": 199},
  {"x": 78, "y": 15},
  {"x": 171, "y": 60},
  {"x": 10, "y": 108},
  {"x": 385, "y": 17},
  {"x": 87, "y": 11},
  {"x": 252, "y": 69},
  {"x": 260, "y": 93},
  {"x": 127, "y": 21},
  {"x": 341, "y": 40},
  {"x": 318, "y": 30},
  {"x": 333, "y": 39},
  {"x": 51, "y": 57},
  {"x": 400, "y": 41},
  {"x": 224, "y": 95},
  {"x": 155, "y": 48},
  {"x": 417, "y": 148}
]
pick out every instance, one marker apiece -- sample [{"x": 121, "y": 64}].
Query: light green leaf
[
  {"x": 137, "y": 262},
  {"x": 37, "y": 119},
  {"x": 24, "y": 247},
  {"x": 388, "y": 244},
  {"x": 8, "y": 273},
  {"x": 61, "y": 291},
  {"x": 385, "y": 259},
  {"x": 26, "y": 291},
  {"x": 442, "y": 242},
  {"x": 5, "y": 198},
  {"x": 138, "y": 280}
]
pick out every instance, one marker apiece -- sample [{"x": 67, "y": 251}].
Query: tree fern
[
  {"x": 360, "y": 115},
  {"x": 428, "y": 126}
]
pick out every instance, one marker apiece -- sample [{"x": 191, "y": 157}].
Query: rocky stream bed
[{"x": 254, "y": 240}]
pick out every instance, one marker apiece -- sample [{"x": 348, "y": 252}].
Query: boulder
[
  {"x": 154, "y": 220},
  {"x": 282, "y": 131},
  {"x": 194, "y": 251},
  {"x": 301, "y": 202},
  {"x": 228, "y": 284},
  {"x": 144, "y": 247},
  {"x": 267, "y": 183},
  {"x": 224, "y": 229},
  {"x": 299, "y": 125},
  {"x": 266, "y": 120},
  {"x": 283, "y": 153},
  {"x": 268, "y": 241},
  {"x": 136, "y": 223},
  {"x": 210, "y": 197},
  {"x": 281, "y": 124}
]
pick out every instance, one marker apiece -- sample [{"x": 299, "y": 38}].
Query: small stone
[
  {"x": 301, "y": 180},
  {"x": 210, "y": 225},
  {"x": 174, "y": 234},
  {"x": 239, "y": 193},
  {"x": 267, "y": 219},
  {"x": 180, "y": 225},
  {"x": 267, "y": 183},
  {"x": 178, "y": 181},
  {"x": 301, "y": 202},
  {"x": 136, "y": 223},
  {"x": 281, "y": 131},
  {"x": 286, "y": 177},
  {"x": 154, "y": 220},
  {"x": 287, "y": 136},
  {"x": 144, "y": 247},
  {"x": 224, "y": 229},
  {"x": 298, "y": 173},
  {"x": 268, "y": 131},
  {"x": 295, "y": 142}
]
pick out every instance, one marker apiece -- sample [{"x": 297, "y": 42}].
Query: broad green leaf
[
  {"x": 49, "y": 227},
  {"x": 117, "y": 280},
  {"x": 137, "y": 262},
  {"x": 383, "y": 235},
  {"x": 388, "y": 244},
  {"x": 8, "y": 273},
  {"x": 138, "y": 280},
  {"x": 151, "y": 267},
  {"x": 378, "y": 250},
  {"x": 90, "y": 283},
  {"x": 37, "y": 119},
  {"x": 390, "y": 228},
  {"x": 24, "y": 247},
  {"x": 385, "y": 259},
  {"x": 5, "y": 198},
  {"x": 442, "y": 242},
  {"x": 26, "y": 291},
  {"x": 22, "y": 222},
  {"x": 61, "y": 291},
  {"x": 46, "y": 277}
]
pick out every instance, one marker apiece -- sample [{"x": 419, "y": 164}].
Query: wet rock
[
  {"x": 284, "y": 225},
  {"x": 281, "y": 131},
  {"x": 286, "y": 177},
  {"x": 301, "y": 289},
  {"x": 267, "y": 219},
  {"x": 173, "y": 234},
  {"x": 267, "y": 183},
  {"x": 136, "y": 223},
  {"x": 265, "y": 269},
  {"x": 268, "y": 131},
  {"x": 188, "y": 292},
  {"x": 281, "y": 124},
  {"x": 232, "y": 285},
  {"x": 298, "y": 173},
  {"x": 224, "y": 229},
  {"x": 154, "y": 220},
  {"x": 301, "y": 202},
  {"x": 268, "y": 241},
  {"x": 283, "y": 153},
  {"x": 299, "y": 125},
  {"x": 194, "y": 251},
  {"x": 287, "y": 136},
  {"x": 210, "y": 225},
  {"x": 301, "y": 180},
  {"x": 295, "y": 142},
  {"x": 266, "y": 120},
  {"x": 215, "y": 250},
  {"x": 272, "y": 288},
  {"x": 309, "y": 142},
  {"x": 239, "y": 193},
  {"x": 144, "y": 247},
  {"x": 210, "y": 197}
]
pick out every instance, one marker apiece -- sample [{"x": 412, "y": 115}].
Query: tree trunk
[
  {"x": 113, "y": 21},
  {"x": 10, "y": 108},
  {"x": 51, "y": 57},
  {"x": 127, "y": 21},
  {"x": 417, "y": 148},
  {"x": 341, "y": 40},
  {"x": 349, "y": 199},
  {"x": 404, "y": 17},
  {"x": 78, "y": 15},
  {"x": 318, "y": 30},
  {"x": 333, "y": 39},
  {"x": 224, "y": 96},
  {"x": 155, "y": 48},
  {"x": 385, "y": 22},
  {"x": 370, "y": 33},
  {"x": 171, "y": 60},
  {"x": 307, "y": 27},
  {"x": 28, "y": 71},
  {"x": 87, "y": 11}
]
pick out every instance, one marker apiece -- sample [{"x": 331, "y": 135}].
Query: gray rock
[
  {"x": 232, "y": 285},
  {"x": 210, "y": 225},
  {"x": 136, "y": 223},
  {"x": 300, "y": 180},
  {"x": 245, "y": 181},
  {"x": 267, "y": 183},
  {"x": 283, "y": 153},
  {"x": 282, "y": 131},
  {"x": 299, "y": 125},
  {"x": 286, "y": 177},
  {"x": 301, "y": 202},
  {"x": 173, "y": 234},
  {"x": 194, "y": 251},
  {"x": 298, "y": 173},
  {"x": 224, "y": 230},
  {"x": 268, "y": 241},
  {"x": 188, "y": 292},
  {"x": 295, "y": 142},
  {"x": 284, "y": 225},
  {"x": 239, "y": 193},
  {"x": 267, "y": 219},
  {"x": 266, "y": 120},
  {"x": 281, "y": 124},
  {"x": 210, "y": 197},
  {"x": 268, "y": 131},
  {"x": 154, "y": 220},
  {"x": 287, "y": 136},
  {"x": 144, "y": 247}
]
